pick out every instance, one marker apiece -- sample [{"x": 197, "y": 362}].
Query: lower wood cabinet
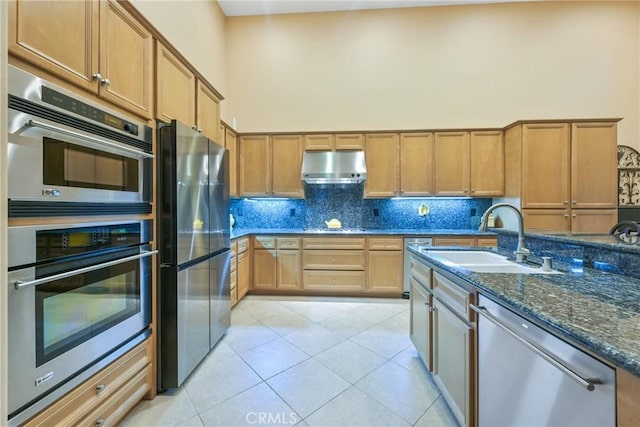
[
  {"x": 108, "y": 396},
  {"x": 385, "y": 261},
  {"x": 244, "y": 274},
  {"x": 334, "y": 264},
  {"x": 453, "y": 351},
  {"x": 279, "y": 266}
]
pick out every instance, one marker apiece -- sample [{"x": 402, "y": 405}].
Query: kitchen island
[{"x": 595, "y": 311}]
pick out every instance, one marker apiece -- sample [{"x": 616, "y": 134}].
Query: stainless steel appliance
[
  {"x": 193, "y": 196},
  {"x": 78, "y": 296},
  {"x": 334, "y": 167},
  {"x": 408, "y": 241},
  {"x": 528, "y": 377},
  {"x": 69, "y": 156}
]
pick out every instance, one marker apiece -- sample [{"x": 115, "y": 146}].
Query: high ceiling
[{"x": 273, "y": 7}]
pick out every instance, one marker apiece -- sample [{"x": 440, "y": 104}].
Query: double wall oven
[{"x": 79, "y": 293}]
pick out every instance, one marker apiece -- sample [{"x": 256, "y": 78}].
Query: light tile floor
[{"x": 307, "y": 361}]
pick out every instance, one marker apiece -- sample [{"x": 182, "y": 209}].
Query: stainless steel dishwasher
[
  {"x": 528, "y": 377},
  {"x": 422, "y": 241}
]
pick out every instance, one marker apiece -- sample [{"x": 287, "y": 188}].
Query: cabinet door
[
  {"x": 594, "y": 165},
  {"x": 324, "y": 142},
  {"x": 486, "y": 152},
  {"x": 243, "y": 274},
  {"x": 208, "y": 113},
  {"x": 286, "y": 164},
  {"x": 385, "y": 271},
  {"x": 231, "y": 144},
  {"x": 60, "y": 37},
  {"x": 416, "y": 164},
  {"x": 545, "y": 165},
  {"x": 264, "y": 269},
  {"x": 547, "y": 219},
  {"x": 289, "y": 274},
  {"x": 126, "y": 60},
  {"x": 255, "y": 172},
  {"x": 381, "y": 155},
  {"x": 452, "y": 343},
  {"x": 420, "y": 327},
  {"x": 175, "y": 89},
  {"x": 451, "y": 164},
  {"x": 349, "y": 141},
  {"x": 593, "y": 220}
]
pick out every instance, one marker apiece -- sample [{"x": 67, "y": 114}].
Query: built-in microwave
[
  {"x": 69, "y": 156},
  {"x": 79, "y": 297}
]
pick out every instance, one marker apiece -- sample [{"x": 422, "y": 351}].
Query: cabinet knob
[
  {"x": 566, "y": 215},
  {"x": 465, "y": 190},
  {"x": 473, "y": 190},
  {"x": 566, "y": 202},
  {"x": 574, "y": 202},
  {"x": 100, "y": 388},
  {"x": 333, "y": 260},
  {"x": 97, "y": 77},
  {"x": 105, "y": 82},
  {"x": 100, "y": 422}
]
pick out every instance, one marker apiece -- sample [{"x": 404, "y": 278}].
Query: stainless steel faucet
[{"x": 521, "y": 252}]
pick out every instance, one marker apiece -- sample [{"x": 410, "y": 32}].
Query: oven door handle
[
  {"x": 137, "y": 153},
  {"x": 19, "y": 284}
]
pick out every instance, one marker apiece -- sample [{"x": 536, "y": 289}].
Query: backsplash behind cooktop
[{"x": 346, "y": 203}]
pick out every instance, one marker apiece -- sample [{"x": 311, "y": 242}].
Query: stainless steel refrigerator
[{"x": 193, "y": 238}]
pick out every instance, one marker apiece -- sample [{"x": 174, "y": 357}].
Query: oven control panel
[{"x": 65, "y": 102}]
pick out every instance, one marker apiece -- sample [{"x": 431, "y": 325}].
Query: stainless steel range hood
[{"x": 334, "y": 167}]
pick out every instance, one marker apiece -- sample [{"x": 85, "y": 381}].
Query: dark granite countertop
[
  {"x": 236, "y": 233},
  {"x": 596, "y": 310}
]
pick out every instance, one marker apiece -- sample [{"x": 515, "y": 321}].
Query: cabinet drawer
[
  {"x": 487, "y": 241},
  {"x": 457, "y": 241},
  {"x": 334, "y": 243},
  {"x": 453, "y": 296},
  {"x": 75, "y": 405},
  {"x": 243, "y": 244},
  {"x": 123, "y": 400},
  {"x": 420, "y": 272},
  {"x": 334, "y": 280},
  {"x": 264, "y": 242},
  {"x": 234, "y": 249},
  {"x": 288, "y": 243},
  {"x": 333, "y": 260},
  {"x": 385, "y": 244}
]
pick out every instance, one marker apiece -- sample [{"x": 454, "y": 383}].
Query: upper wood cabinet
[
  {"x": 486, "y": 156},
  {"x": 286, "y": 166},
  {"x": 565, "y": 174},
  {"x": 381, "y": 155},
  {"x": 181, "y": 96},
  {"x": 331, "y": 142},
  {"x": 319, "y": 142},
  {"x": 231, "y": 144},
  {"x": 545, "y": 165},
  {"x": 208, "y": 113},
  {"x": 349, "y": 141},
  {"x": 416, "y": 164},
  {"x": 451, "y": 154},
  {"x": 594, "y": 165},
  {"x": 96, "y": 46},
  {"x": 175, "y": 88},
  {"x": 255, "y": 165},
  {"x": 270, "y": 166}
]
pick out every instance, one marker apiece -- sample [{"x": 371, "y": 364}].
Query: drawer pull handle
[
  {"x": 333, "y": 260},
  {"x": 100, "y": 388},
  {"x": 100, "y": 422}
]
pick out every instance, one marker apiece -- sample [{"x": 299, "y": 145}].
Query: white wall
[
  {"x": 436, "y": 67},
  {"x": 3, "y": 212},
  {"x": 197, "y": 30}
]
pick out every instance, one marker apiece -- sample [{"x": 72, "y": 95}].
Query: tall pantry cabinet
[{"x": 564, "y": 173}]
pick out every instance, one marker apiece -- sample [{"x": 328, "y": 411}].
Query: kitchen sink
[{"x": 485, "y": 262}]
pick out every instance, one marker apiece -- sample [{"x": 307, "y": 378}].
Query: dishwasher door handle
[{"x": 589, "y": 383}]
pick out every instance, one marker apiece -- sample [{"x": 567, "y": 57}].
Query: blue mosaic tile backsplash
[{"x": 346, "y": 203}]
